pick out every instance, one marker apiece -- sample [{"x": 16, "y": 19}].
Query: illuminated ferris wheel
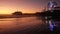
[{"x": 51, "y": 5}]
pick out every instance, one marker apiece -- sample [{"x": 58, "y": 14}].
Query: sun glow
[
  {"x": 8, "y": 6},
  {"x": 10, "y": 10}
]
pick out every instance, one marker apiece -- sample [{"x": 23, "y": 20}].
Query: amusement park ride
[{"x": 55, "y": 12}]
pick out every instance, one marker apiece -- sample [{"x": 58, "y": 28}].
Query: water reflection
[
  {"x": 52, "y": 24},
  {"x": 28, "y": 24},
  {"x": 19, "y": 24}
]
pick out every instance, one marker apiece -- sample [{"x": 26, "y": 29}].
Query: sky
[{"x": 25, "y": 6}]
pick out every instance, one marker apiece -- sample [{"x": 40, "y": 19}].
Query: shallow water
[
  {"x": 16, "y": 24},
  {"x": 26, "y": 24}
]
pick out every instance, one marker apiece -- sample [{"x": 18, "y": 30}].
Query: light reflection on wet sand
[{"x": 19, "y": 24}]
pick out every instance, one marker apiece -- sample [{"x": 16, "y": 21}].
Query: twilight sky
[{"x": 26, "y": 6}]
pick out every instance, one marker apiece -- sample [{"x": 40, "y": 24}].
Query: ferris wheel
[{"x": 52, "y": 4}]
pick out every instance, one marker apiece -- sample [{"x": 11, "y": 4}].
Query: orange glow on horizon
[
  {"x": 10, "y": 6},
  {"x": 8, "y": 10}
]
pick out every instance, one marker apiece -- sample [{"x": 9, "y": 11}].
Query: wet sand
[{"x": 26, "y": 25}]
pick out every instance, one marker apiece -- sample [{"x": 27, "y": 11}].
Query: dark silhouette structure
[{"x": 17, "y": 13}]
